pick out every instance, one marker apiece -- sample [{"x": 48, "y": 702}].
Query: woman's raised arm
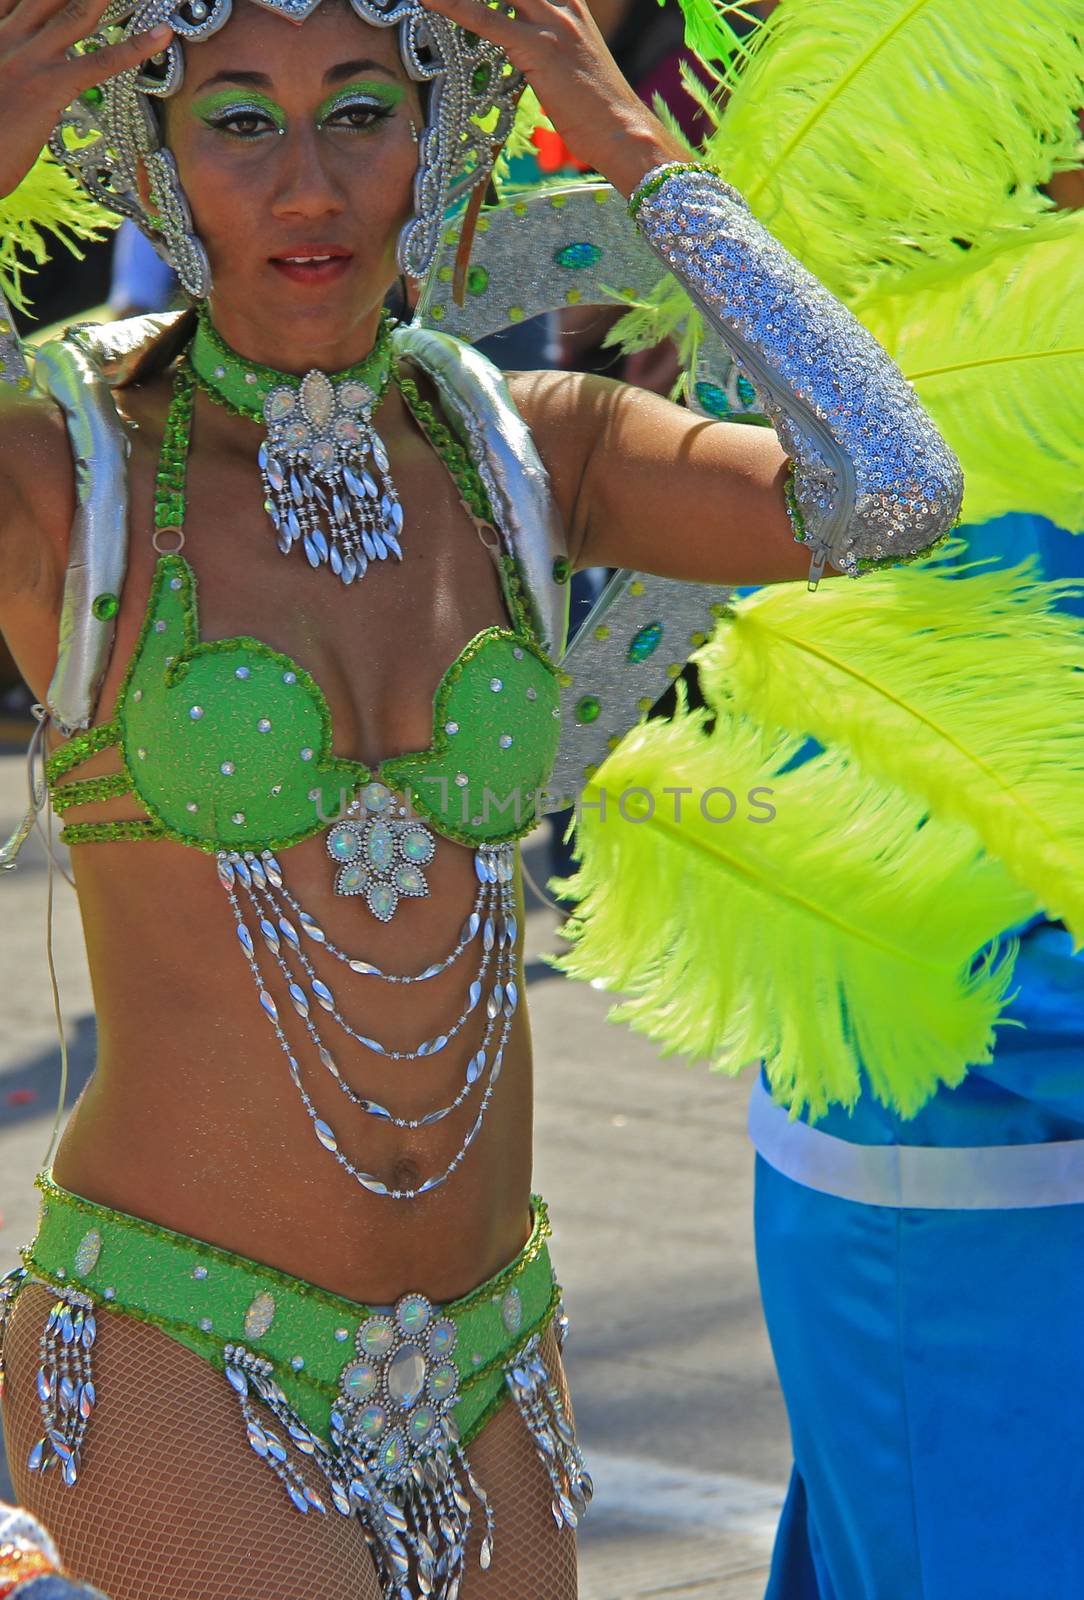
[{"x": 645, "y": 484}]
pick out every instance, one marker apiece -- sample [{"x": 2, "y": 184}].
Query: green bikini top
[{"x": 227, "y": 743}]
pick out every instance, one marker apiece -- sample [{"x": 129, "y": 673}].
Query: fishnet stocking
[
  {"x": 532, "y": 1560},
  {"x": 171, "y": 1504}
]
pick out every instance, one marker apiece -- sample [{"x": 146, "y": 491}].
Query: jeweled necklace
[{"x": 325, "y": 470}]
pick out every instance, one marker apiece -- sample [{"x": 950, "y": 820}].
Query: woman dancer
[{"x": 291, "y": 1218}]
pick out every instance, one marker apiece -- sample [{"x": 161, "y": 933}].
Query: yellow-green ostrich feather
[
  {"x": 872, "y": 134},
  {"x": 994, "y": 346},
  {"x": 966, "y": 692},
  {"x": 839, "y": 935}
]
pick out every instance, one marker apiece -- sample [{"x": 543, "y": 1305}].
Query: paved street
[{"x": 649, "y": 1178}]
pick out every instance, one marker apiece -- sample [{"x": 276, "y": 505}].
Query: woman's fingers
[
  {"x": 51, "y": 22},
  {"x": 98, "y": 65},
  {"x": 76, "y": 20}
]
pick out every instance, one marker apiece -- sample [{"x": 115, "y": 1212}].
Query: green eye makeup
[
  {"x": 229, "y": 106},
  {"x": 228, "y": 109},
  {"x": 377, "y": 98}
]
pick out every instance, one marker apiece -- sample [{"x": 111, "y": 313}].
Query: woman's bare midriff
[{"x": 192, "y": 1120}]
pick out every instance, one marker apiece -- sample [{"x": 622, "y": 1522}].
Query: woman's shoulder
[
  {"x": 556, "y": 404},
  {"x": 32, "y": 431},
  {"x": 37, "y": 490}
]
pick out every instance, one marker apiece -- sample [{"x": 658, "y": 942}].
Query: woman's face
[{"x": 295, "y": 150}]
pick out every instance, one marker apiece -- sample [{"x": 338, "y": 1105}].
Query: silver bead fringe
[
  {"x": 542, "y": 1408},
  {"x": 395, "y": 1458},
  {"x": 271, "y": 923},
  {"x": 326, "y": 476},
  {"x": 65, "y": 1384}
]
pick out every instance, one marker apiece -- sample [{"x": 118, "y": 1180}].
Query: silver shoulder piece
[
  {"x": 874, "y": 481},
  {"x": 13, "y": 368},
  {"x": 98, "y": 549},
  {"x": 120, "y": 350},
  {"x": 518, "y": 485}
]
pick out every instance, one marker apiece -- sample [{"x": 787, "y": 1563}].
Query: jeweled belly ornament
[{"x": 381, "y": 849}]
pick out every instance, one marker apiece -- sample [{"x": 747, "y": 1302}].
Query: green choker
[
  {"x": 326, "y": 475},
  {"x": 243, "y": 386}
]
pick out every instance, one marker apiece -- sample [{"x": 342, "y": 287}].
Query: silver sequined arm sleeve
[
  {"x": 13, "y": 368},
  {"x": 872, "y": 479}
]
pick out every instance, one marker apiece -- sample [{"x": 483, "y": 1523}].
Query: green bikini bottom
[{"x": 380, "y": 1403}]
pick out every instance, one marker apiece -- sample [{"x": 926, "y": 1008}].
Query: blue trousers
[{"x": 932, "y": 1361}]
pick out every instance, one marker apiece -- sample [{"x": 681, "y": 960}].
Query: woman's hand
[
  {"x": 39, "y": 76},
  {"x": 565, "y": 59}
]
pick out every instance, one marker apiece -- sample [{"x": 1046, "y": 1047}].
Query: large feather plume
[
  {"x": 966, "y": 692},
  {"x": 871, "y": 134},
  {"x": 995, "y": 349},
  {"x": 47, "y": 201},
  {"x": 836, "y": 937}
]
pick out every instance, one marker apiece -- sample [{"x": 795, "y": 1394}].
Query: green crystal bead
[
  {"x": 105, "y": 606},
  {"x": 712, "y": 399},
  {"x": 477, "y": 280},
  {"x": 480, "y": 77},
  {"x": 588, "y": 708},
  {"x": 562, "y": 569},
  {"x": 578, "y": 256},
  {"x": 646, "y": 642}
]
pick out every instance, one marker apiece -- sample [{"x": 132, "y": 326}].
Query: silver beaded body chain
[{"x": 272, "y": 925}]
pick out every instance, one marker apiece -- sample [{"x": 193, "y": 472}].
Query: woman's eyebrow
[
  {"x": 252, "y": 80},
  {"x": 260, "y": 80}
]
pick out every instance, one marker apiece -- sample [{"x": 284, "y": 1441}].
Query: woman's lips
[{"x": 316, "y": 267}]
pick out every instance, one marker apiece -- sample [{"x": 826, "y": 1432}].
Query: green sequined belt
[
  {"x": 207, "y": 1298},
  {"x": 382, "y": 1401}
]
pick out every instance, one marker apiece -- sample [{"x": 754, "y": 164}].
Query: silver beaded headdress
[{"x": 473, "y": 92}]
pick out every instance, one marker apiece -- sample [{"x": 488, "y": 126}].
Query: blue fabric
[
  {"x": 933, "y": 1368},
  {"x": 933, "y": 1361}
]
